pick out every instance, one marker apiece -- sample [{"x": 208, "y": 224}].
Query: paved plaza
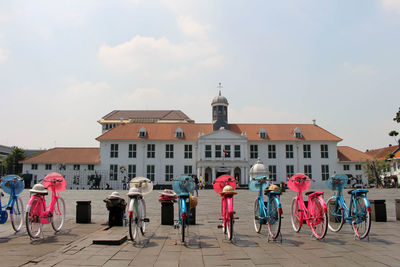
[{"x": 207, "y": 246}]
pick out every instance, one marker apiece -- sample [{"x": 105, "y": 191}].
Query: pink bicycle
[
  {"x": 315, "y": 214},
  {"x": 225, "y": 186},
  {"x": 37, "y": 213}
]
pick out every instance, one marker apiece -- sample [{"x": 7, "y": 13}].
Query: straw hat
[
  {"x": 114, "y": 195},
  {"x": 38, "y": 188},
  {"x": 193, "y": 202},
  {"x": 133, "y": 192},
  {"x": 228, "y": 190},
  {"x": 273, "y": 187}
]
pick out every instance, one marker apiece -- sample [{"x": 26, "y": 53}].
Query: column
[{"x": 213, "y": 174}]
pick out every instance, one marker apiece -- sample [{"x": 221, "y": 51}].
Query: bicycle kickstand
[{"x": 276, "y": 239}]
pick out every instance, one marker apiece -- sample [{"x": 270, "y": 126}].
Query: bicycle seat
[
  {"x": 357, "y": 191},
  {"x": 309, "y": 192},
  {"x": 271, "y": 192}
]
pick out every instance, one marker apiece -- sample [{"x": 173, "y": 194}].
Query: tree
[
  {"x": 373, "y": 169},
  {"x": 12, "y": 162},
  {"x": 395, "y": 133}
]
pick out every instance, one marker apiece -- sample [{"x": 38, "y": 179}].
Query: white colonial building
[{"x": 162, "y": 145}]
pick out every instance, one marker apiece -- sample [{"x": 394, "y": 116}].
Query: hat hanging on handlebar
[
  {"x": 299, "y": 182},
  {"x": 222, "y": 181},
  {"x": 12, "y": 180},
  {"x": 55, "y": 182}
]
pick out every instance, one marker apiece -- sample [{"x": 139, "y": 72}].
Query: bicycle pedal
[
  {"x": 219, "y": 226},
  {"x": 146, "y": 220},
  {"x": 236, "y": 218}
]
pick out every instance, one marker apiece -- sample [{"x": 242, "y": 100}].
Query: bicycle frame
[
  {"x": 10, "y": 204},
  {"x": 226, "y": 201},
  {"x": 307, "y": 212},
  {"x": 47, "y": 211},
  {"x": 182, "y": 207}
]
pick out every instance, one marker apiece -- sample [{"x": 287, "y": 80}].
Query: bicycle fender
[
  {"x": 229, "y": 201},
  {"x": 278, "y": 204},
  {"x": 323, "y": 203},
  {"x": 367, "y": 204},
  {"x": 130, "y": 209}
]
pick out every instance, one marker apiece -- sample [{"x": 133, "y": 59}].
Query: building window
[
  {"x": 307, "y": 151},
  {"x": 150, "y": 172},
  {"x": 47, "y": 167},
  {"x": 289, "y": 171},
  {"x": 188, "y": 169},
  {"x": 289, "y": 151},
  {"x": 237, "y": 151},
  {"x": 253, "y": 151},
  {"x": 34, "y": 166},
  {"x": 142, "y": 132},
  {"x": 358, "y": 167},
  {"x": 308, "y": 170},
  {"x": 113, "y": 172},
  {"x": 227, "y": 151},
  {"x": 114, "y": 151},
  {"x": 346, "y": 167},
  {"x": 324, "y": 151},
  {"x": 77, "y": 167},
  {"x": 131, "y": 171},
  {"x": 262, "y": 133},
  {"x": 62, "y": 167},
  {"x": 272, "y": 172},
  {"x": 325, "y": 172},
  {"x": 271, "y": 151},
  {"x": 90, "y": 167},
  {"x": 217, "y": 151},
  {"x": 151, "y": 150},
  {"x": 179, "y": 133},
  {"x": 208, "y": 151},
  {"x": 132, "y": 151},
  {"x": 169, "y": 151},
  {"x": 188, "y": 151},
  {"x": 169, "y": 172}
]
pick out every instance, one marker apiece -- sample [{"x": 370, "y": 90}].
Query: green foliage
[
  {"x": 393, "y": 133},
  {"x": 373, "y": 169},
  {"x": 397, "y": 118},
  {"x": 12, "y": 163}
]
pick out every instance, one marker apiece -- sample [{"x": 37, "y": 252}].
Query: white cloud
[
  {"x": 192, "y": 28},
  {"x": 363, "y": 69},
  {"x": 3, "y": 56},
  {"x": 392, "y": 4}
]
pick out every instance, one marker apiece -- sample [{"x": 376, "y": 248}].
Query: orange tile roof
[
  {"x": 66, "y": 155},
  {"x": 346, "y": 153},
  {"x": 382, "y": 153},
  {"x": 164, "y": 131},
  {"x": 154, "y": 114}
]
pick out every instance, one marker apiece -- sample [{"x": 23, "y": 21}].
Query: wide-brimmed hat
[
  {"x": 228, "y": 190},
  {"x": 38, "y": 188},
  {"x": 192, "y": 202},
  {"x": 114, "y": 195},
  {"x": 273, "y": 187},
  {"x": 134, "y": 192}
]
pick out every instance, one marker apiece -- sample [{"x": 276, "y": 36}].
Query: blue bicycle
[
  {"x": 268, "y": 212},
  {"x": 359, "y": 213},
  {"x": 183, "y": 187},
  {"x": 12, "y": 185}
]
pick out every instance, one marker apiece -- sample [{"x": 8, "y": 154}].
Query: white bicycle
[{"x": 139, "y": 186}]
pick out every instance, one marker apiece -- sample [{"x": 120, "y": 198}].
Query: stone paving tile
[{"x": 117, "y": 263}]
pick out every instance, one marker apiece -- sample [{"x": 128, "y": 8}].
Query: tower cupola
[{"x": 219, "y": 111}]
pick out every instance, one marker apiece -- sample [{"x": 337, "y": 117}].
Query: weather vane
[{"x": 219, "y": 87}]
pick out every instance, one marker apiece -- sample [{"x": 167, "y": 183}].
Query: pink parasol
[
  {"x": 299, "y": 182},
  {"x": 55, "y": 182},
  {"x": 223, "y": 181}
]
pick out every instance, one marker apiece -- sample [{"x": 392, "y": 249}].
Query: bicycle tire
[
  {"x": 32, "y": 218},
  {"x": 183, "y": 226},
  {"x": 143, "y": 215},
  {"x": 57, "y": 221},
  {"x": 257, "y": 222},
  {"x": 296, "y": 216},
  {"x": 17, "y": 215},
  {"x": 361, "y": 222},
  {"x": 319, "y": 219},
  {"x": 229, "y": 227},
  {"x": 335, "y": 214},
  {"x": 133, "y": 228},
  {"x": 274, "y": 219}
]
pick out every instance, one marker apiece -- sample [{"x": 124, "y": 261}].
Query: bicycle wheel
[
  {"x": 133, "y": 222},
  {"x": 143, "y": 215},
  {"x": 296, "y": 216},
  {"x": 17, "y": 214},
  {"x": 58, "y": 218},
  {"x": 257, "y": 223},
  {"x": 274, "y": 219},
  {"x": 183, "y": 226},
  {"x": 32, "y": 218},
  {"x": 229, "y": 227},
  {"x": 335, "y": 215},
  {"x": 319, "y": 219},
  {"x": 361, "y": 219}
]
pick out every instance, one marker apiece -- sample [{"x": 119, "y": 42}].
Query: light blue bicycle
[
  {"x": 183, "y": 186},
  {"x": 359, "y": 213},
  {"x": 12, "y": 185},
  {"x": 268, "y": 212}
]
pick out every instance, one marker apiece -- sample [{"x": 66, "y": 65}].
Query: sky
[{"x": 66, "y": 64}]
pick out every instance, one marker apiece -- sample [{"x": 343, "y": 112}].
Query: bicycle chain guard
[{"x": 3, "y": 216}]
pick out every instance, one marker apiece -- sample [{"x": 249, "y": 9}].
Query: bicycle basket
[
  {"x": 298, "y": 185},
  {"x": 183, "y": 184},
  {"x": 338, "y": 182},
  {"x": 223, "y": 181},
  {"x": 55, "y": 182},
  {"x": 144, "y": 185},
  {"x": 257, "y": 182},
  {"x": 12, "y": 180}
]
